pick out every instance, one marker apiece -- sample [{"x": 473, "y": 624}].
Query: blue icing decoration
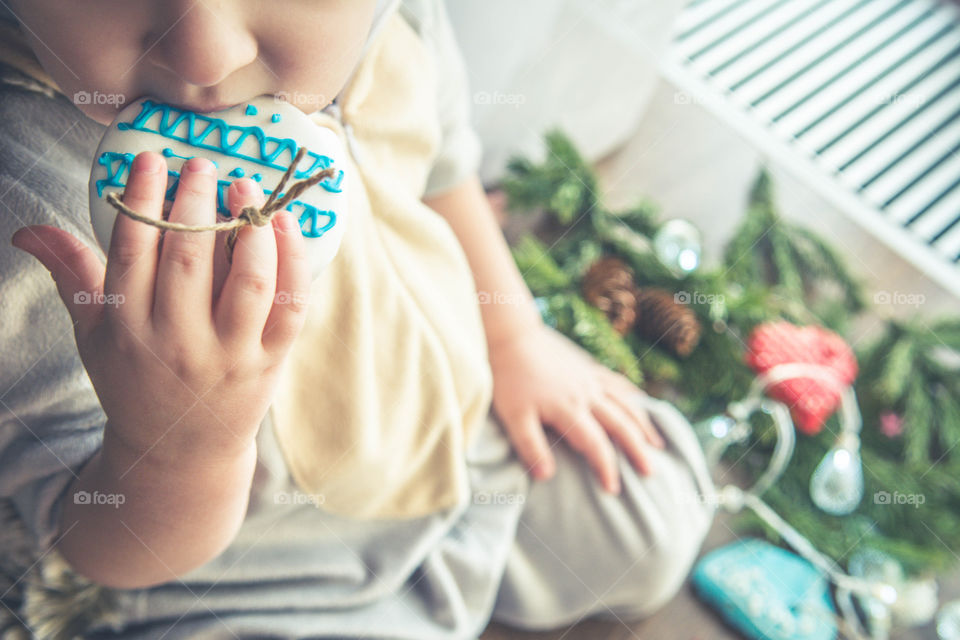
[
  {"x": 275, "y": 118},
  {"x": 173, "y": 178},
  {"x": 114, "y": 172},
  {"x": 335, "y": 186},
  {"x": 169, "y": 153},
  {"x": 257, "y": 177},
  {"x": 236, "y": 173},
  {"x": 310, "y": 216},
  {"x": 251, "y": 110},
  {"x": 197, "y": 138},
  {"x": 118, "y": 167}
]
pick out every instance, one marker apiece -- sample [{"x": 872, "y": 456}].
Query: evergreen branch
[
  {"x": 919, "y": 407},
  {"x": 540, "y": 271}
]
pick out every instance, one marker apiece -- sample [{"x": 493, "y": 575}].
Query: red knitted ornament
[{"x": 811, "y": 400}]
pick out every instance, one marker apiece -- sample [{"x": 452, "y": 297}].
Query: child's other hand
[
  {"x": 541, "y": 378},
  {"x": 183, "y": 374}
]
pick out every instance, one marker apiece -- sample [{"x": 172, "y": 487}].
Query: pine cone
[
  {"x": 608, "y": 285},
  {"x": 663, "y": 319}
]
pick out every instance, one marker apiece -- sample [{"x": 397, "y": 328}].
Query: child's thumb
[{"x": 75, "y": 268}]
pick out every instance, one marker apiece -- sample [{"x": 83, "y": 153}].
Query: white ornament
[
  {"x": 886, "y": 575},
  {"x": 916, "y": 603},
  {"x": 836, "y": 485},
  {"x": 948, "y": 621},
  {"x": 677, "y": 245},
  {"x": 256, "y": 139}
]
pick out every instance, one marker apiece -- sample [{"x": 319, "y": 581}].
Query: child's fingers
[
  {"x": 184, "y": 286},
  {"x": 248, "y": 292},
  {"x": 530, "y": 442},
  {"x": 75, "y": 268},
  {"x": 584, "y": 434},
  {"x": 629, "y": 404},
  {"x": 625, "y": 393},
  {"x": 132, "y": 258},
  {"x": 293, "y": 285},
  {"x": 623, "y": 429}
]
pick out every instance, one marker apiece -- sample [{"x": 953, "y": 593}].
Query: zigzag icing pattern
[{"x": 268, "y": 158}]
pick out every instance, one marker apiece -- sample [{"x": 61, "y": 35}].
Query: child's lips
[{"x": 198, "y": 106}]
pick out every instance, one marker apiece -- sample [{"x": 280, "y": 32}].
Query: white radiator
[{"x": 861, "y": 97}]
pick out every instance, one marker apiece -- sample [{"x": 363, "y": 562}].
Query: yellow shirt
[{"x": 390, "y": 377}]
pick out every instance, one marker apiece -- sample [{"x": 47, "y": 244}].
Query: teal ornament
[{"x": 766, "y": 592}]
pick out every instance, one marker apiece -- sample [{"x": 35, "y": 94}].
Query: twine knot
[
  {"x": 248, "y": 215},
  {"x": 255, "y": 216}
]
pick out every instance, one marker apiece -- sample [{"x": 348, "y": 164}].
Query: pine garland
[
  {"x": 792, "y": 260},
  {"x": 771, "y": 269}
]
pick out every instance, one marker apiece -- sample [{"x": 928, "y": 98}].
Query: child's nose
[{"x": 203, "y": 46}]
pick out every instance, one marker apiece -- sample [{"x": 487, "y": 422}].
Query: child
[{"x": 227, "y": 460}]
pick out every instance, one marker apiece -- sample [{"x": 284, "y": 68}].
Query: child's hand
[
  {"x": 183, "y": 374},
  {"x": 542, "y": 378}
]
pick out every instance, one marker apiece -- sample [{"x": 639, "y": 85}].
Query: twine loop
[{"x": 257, "y": 216}]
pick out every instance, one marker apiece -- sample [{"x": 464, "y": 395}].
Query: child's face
[{"x": 200, "y": 54}]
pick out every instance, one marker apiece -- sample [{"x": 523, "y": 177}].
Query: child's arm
[
  {"x": 175, "y": 514},
  {"x": 184, "y": 375},
  {"x": 539, "y": 376}
]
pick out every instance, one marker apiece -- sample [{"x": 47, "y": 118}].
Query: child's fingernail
[
  {"x": 199, "y": 165},
  {"x": 246, "y": 187},
  {"x": 146, "y": 163},
  {"x": 542, "y": 470},
  {"x": 18, "y": 238},
  {"x": 288, "y": 223}
]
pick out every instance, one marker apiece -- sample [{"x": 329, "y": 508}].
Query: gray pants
[
  {"x": 533, "y": 555},
  {"x": 580, "y": 551}
]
